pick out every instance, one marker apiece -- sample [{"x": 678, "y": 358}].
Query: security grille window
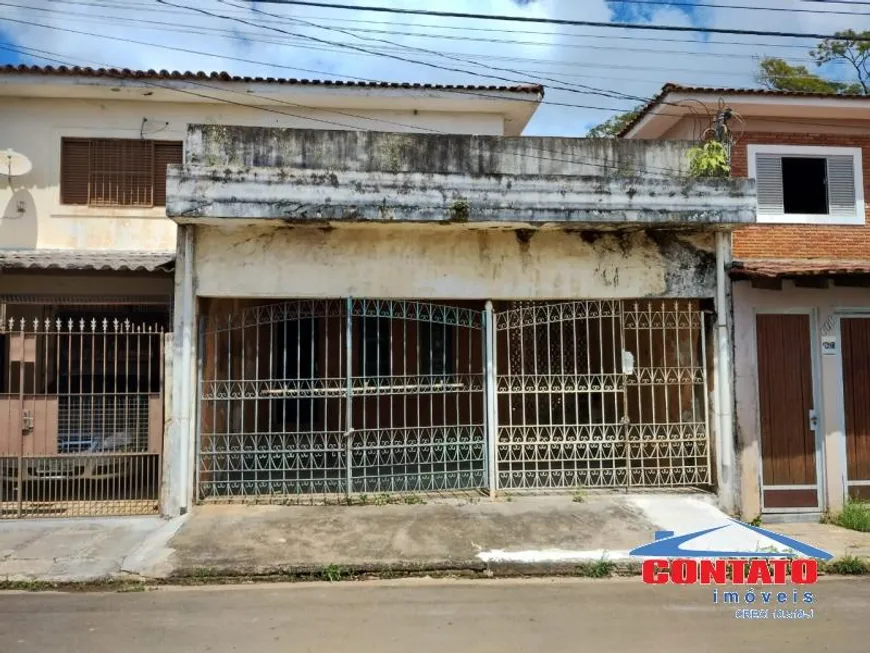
[
  {"x": 103, "y": 172},
  {"x": 436, "y": 349},
  {"x": 375, "y": 351},
  {"x": 811, "y": 185}
]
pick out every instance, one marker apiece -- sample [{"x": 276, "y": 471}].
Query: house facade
[
  {"x": 800, "y": 288},
  {"x": 87, "y": 254},
  {"x": 363, "y": 313}
]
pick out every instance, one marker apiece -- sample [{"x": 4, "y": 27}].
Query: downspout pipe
[{"x": 724, "y": 379}]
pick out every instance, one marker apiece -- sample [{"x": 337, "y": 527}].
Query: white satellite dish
[{"x": 14, "y": 164}]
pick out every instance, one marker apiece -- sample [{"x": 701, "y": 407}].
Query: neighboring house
[
  {"x": 87, "y": 253},
  {"x": 801, "y": 288},
  {"x": 359, "y": 313}
]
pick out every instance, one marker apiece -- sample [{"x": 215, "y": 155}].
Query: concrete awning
[
  {"x": 62, "y": 259},
  {"x": 340, "y": 177}
]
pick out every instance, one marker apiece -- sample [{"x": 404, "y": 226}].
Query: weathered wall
[
  {"x": 323, "y": 176},
  {"x": 450, "y": 263},
  {"x": 31, "y": 215},
  {"x": 825, "y": 307},
  {"x": 219, "y": 146}
]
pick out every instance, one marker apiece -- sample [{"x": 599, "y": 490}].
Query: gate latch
[
  {"x": 26, "y": 421},
  {"x": 814, "y": 421}
]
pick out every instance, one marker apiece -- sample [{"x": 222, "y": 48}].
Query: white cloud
[{"x": 633, "y": 62}]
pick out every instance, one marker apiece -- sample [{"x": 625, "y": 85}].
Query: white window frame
[{"x": 813, "y": 150}]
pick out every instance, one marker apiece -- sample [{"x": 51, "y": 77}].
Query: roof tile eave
[{"x": 76, "y": 71}]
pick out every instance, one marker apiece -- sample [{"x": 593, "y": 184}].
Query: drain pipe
[{"x": 724, "y": 362}]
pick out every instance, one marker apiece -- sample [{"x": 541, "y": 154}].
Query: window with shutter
[
  {"x": 111, "y": 172},
  {"x": 808, "y": 184}
]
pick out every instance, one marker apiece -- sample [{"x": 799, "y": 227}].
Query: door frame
[
  {"x": 843, "y": 452},
  {"x": 815, "y": 375}
]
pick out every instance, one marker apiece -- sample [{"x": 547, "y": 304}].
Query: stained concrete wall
[
  {"x": 237, "y": 173},
  {"x": 450, "y": 262},
  {"x": 31, "y": 215},
  {"x": 825, "y": 307}
]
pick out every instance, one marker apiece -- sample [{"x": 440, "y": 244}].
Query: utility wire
[
  {"x": 109, "y": 70},
  {"x": 252, "y": 37},
  {"x": 742, "y": 7},
  {"x": 564, "y": 21},
  {"x": 369, "y": 80},
  {"x": 139, "y": 6},
  {"x": 588, "y": 89}
]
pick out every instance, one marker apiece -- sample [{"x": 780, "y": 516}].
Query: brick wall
[{"x": 802, "y": 241}]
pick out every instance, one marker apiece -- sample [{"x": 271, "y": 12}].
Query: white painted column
[
  {"x": 489, "y": 384},
  {"x": 178, "y": 482},
  {"x": 724, "y": 404}
]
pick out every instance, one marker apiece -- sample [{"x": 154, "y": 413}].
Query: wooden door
[
  {"x": 855, "y": 337},
  {"x": 785, "y": 399}
]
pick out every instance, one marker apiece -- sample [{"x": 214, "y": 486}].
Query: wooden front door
[
  {"x": 785, "y": 401},
  {"x": 855, "y": 336}
]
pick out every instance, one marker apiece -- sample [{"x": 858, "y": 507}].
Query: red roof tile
[
  {"x": 671, "y": 87},
  {"x": 779, "y": 268},
  {"x": 223, "y": 76}
]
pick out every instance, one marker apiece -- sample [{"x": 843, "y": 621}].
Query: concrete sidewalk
[{"x": 526, "y": 534}]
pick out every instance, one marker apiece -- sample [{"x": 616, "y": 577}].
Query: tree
[
  {"x": 778, "y": 75},
  {"x": 612, "y": 126}
]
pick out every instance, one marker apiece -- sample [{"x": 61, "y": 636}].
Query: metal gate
[
  {"x": 340, "y": 396},
  {"x": 601, "y": 394},
  {"x": 81, "y": 416}
]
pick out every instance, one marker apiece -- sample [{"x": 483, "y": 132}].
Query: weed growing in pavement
[
  {"x": 333, "y": 573},
  {"x": 599, "y": 569},
  {"x": 855, "y": 516}
]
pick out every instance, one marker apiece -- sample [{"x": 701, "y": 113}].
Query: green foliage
[
  {"x": 578, "y": 497},
  {"x": 709, "y": 159},
  {"x": 333, "y": 573},
  {"x": 599, "y": 569},
  {"x": 777, "y": 74},
  {"x": 855, "y": 516},
  {"x": 849, "y": 566},
  {"x": 612, "y": 126}
]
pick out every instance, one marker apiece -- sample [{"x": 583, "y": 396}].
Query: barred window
[{"x": 115, "y": 172}]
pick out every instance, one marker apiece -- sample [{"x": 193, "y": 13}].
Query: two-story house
[
  {"x": 87, "y": 253},
  {"x": 800, "y": 288}
]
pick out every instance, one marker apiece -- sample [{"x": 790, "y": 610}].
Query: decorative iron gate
[
  {"x": 601, "y": 394},
  {"x": 360, "y": 395},
  {"x": 340, "y": 396},
  {"x": 81, "y": 417}
]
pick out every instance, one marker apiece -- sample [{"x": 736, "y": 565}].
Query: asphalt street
[{"x": 428, "y": 615}]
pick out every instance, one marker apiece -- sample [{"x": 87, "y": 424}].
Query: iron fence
[{"x": 81, "y": 416}]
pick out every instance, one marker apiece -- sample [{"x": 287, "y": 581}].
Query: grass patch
[
  {"x": 855, "y": 516},
  {"x": 599, "y": 569},
  {"x": 849, "y": 566},
  {"x": 578, "y": 497},
  {"x": 412, "y": 500},
  {"x": 333, "y": 573}
]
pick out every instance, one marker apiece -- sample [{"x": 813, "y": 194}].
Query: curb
[{"x": 472, "y": 569}]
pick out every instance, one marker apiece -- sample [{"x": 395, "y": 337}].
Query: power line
[
  {"x": 53, "y": 58},
  {"x": 742, "y": 7},
  {"x": 466, "y": 92},
  {"x": 588, "y": 89},
  {"x": 250, "y": 36},
  {"x": 138, "y": 6},
  {"x": 564, "y": 21}
]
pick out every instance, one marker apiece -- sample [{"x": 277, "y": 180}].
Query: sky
[{"x": 590, "y": 73}]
